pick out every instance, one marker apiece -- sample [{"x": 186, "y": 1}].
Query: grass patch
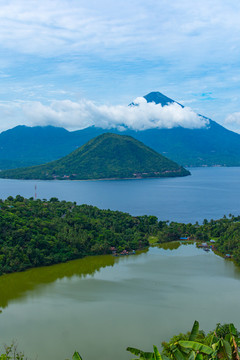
[{"x": 153, "y": 240}]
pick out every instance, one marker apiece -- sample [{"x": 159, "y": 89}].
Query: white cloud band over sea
[{"x": 78, "y": 115}]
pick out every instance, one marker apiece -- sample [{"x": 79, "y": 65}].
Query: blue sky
[{"x": 66, "y": 61}]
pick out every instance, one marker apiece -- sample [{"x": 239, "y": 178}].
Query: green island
[
  {"x": 221, "y": 343},
  {"x": 108, "y": 156},
  {"x": 40, "y": 232}
]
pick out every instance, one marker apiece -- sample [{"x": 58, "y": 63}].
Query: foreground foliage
[
  {"x": 11, "y": 353},
  {"x": 222, "y": 343}
]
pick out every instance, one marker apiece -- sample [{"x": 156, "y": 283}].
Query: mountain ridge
[{"x": 209, "y": 146}]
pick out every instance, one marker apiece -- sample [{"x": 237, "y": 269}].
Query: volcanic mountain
[
  {"x": 207, "y": 146},
  {"x": 107, "y": 156}
]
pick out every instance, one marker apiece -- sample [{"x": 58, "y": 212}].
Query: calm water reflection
[
  {"x": 17, "y": 286},
  {"x": 100, "y": 305}
]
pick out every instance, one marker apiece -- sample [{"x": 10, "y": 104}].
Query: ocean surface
[{"x": 209, "y": 193}]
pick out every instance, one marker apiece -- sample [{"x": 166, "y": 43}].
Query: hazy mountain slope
[
  {"x": 106, "y": 156},
  {"x": 33, "y": 145},
  {"x": 213, "y": 145}
]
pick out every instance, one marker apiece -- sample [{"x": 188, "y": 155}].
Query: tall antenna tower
[{"x": 35, "y": 192}]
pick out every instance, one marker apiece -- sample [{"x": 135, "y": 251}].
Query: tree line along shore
[{"x": 39, "y": 232}]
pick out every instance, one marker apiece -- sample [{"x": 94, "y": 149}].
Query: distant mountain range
[
  {"x": 208, "y": 146},
  {"x": 108, "y": 156}
]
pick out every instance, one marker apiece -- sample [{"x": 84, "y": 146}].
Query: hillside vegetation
[
  {"x": 107, "y": 156},
  {"x": 39, "y": 232}
]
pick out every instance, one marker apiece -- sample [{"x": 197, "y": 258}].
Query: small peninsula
[
  {"x": 38, "y": 232},
  {"x": 108, "y": 156}
]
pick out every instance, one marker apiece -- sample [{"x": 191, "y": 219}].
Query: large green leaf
[
  {"x": 195, "y": 356},
  {"x": 157, "y": 355},
  {"x": 216, "y": 346},
  {"x": 164, "y": 357},
  {"x": 199, "y": 357},
  {"x": 233, "y": 330},
  {"x": 194, "y": 331},
  {"x": 196, "y": 346},
  {"x": 142, "y": 354},
  {"x": 4, "y": 357},
  {"x": 76, "y": 356},
  {"x": 192, "y": 355},
  {"x": 134, "y": 350},
  {"x": 178, "y": 355},
  {"x": 227, "y": 349},
  {"x": 213, "y": 339}
]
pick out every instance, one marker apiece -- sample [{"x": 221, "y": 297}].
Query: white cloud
[
  {"x": 103, "y": 49},
  {"x": 232, "y": 122},
  {"x": 78, "y": 115},
  {"x": 141, "y": 28},
  {"x": 233, "y": 118}
]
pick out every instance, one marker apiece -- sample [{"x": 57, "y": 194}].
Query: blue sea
[{"x": 209, "y": 193}]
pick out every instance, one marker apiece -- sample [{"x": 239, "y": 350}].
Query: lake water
[
  {"x": 207, "y": 193},
  {"x": 100, "y": 305}
]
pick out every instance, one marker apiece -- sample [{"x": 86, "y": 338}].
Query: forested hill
[
  {"x": 107, "y": 156},
  {"x": 37, "y": 233}
]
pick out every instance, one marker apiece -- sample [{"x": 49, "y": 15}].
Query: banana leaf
[
  {"x": 142, "y": 354},
  {"x": 192, "y": 355},
  {"x": 194, "y": 331},
  {"x": 76, "y": 356},
  {"x": 227, "y": 350},
  {"x": 233, "y": 330},
  {"x": 178, "y": 355},
  {"x": 196, "y": 346},
  {"x": 157, "y": 355},
  {"x": 199, "y": 357},
  {"x": 195, "y": 356}
]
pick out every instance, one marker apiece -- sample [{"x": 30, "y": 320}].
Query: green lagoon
[{"x": 100, "y": 305}]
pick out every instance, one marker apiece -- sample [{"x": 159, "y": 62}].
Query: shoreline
[{"x": 102, "y": 179}]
